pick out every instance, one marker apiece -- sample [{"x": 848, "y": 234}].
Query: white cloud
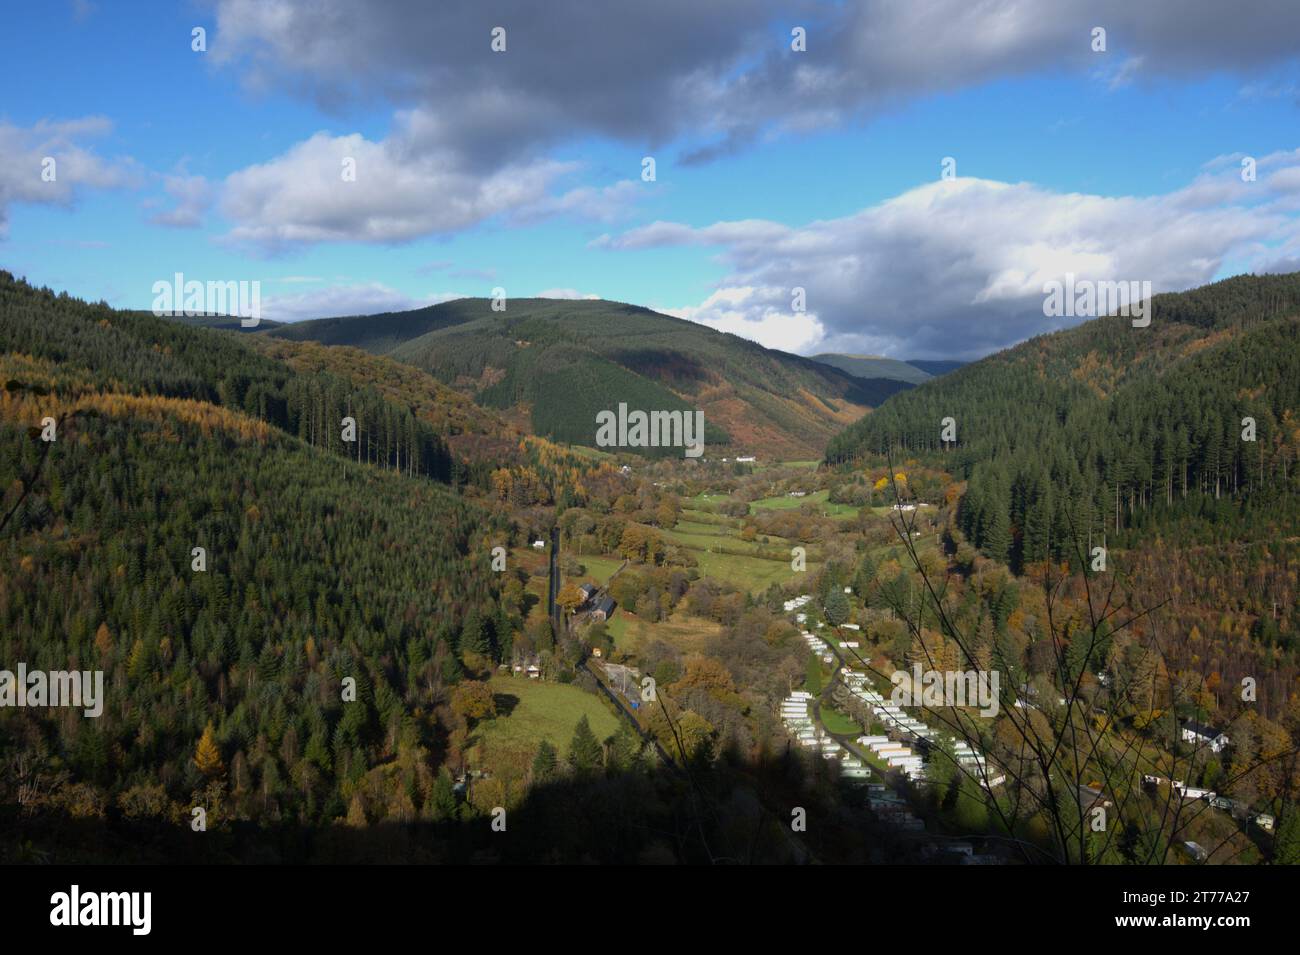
[
  {"x": 362, "y": 299},
  {"x": 302, "y": 196},
  {"x": 25, "y": 149},
  {"x": 596, "y": 203},
  {"x": 192, "y": 195},
  {"x": 403, "y": 187},
  {"x": 759, "y": 314},
  {"x": 956, "y": 269}
]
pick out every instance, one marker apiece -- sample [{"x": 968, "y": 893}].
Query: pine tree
[
  {"x": 836, "y": 607},
  {"x": 585, "y": 752},
  {"x": 1038, "y": 522},
  {"x": 442, "y": 801},
  {"x": 544, "y": 762},
  {"x": 474, "y": 637},
  {"x": 1286, "y": 849}
]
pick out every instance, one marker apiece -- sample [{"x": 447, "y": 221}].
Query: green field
[
  {"x": 538, "y": 711},
  {"x": 708, "y": 522},
  {"x": 682, "y": 631},
  {"x": 744, "y": 570},
  {"x": 599, "y": 568},
  {"x": 837, "y": 722},
  {"x": 707, "y": 498},
  {"x": 814, "y": 675},
  {"x": 748, "y": 573},
  {"x": 617, "y": 626},
  {"x": 820, "y": 498}
]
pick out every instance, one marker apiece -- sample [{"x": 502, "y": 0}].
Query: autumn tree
[
  {"x": 570, "y": 597},
  {"x": 207, "y": 756},
  {"x": 473, "y": 700}
]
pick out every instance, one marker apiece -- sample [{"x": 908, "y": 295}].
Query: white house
[
  {"x": 1198, "y": 734},
  {"x": 539, "y": 545},
  {"x": 1193, "y": 792}
]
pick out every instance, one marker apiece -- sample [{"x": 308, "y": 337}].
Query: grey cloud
[{"x": 712, "y": 76}]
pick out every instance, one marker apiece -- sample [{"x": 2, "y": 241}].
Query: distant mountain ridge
[
  {"x": 935, "y": 367},
  {"x": 877, "y": 366},
  {"x": 555, "y": 363}
]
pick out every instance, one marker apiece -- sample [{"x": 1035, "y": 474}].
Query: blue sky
[{"x": 522, "y": 169}]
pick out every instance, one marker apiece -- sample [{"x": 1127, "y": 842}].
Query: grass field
[
  {"x": 697, "y": 522},
  {"x": 837, "y": 722},
  {"x": 703, "y": 536},
  {"x": 538, "y": 711},
  {"x": 599, "y": 568},
  {"x": 684, "y": 632},
  {"x": 702, "y": 516},
  {"x": 814, "y": 675},
  {"x": 705, "y": 540},
  {"x": 820, "y": 498},
  {"x": 747, "y": 573}
]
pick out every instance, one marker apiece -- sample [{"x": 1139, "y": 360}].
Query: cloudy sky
[{"x": 775, "y": 169}]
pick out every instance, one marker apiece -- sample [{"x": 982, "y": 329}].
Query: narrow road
[{"x": 553, "y": 588}]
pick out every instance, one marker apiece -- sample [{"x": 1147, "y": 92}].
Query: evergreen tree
[
  {"x": 585, "y": 752},
  {"x": 545, "y": 762},
  {"x": 474, "y": 636},
  {"x": 442, "y": 800},
  {"x": 1286, "y": 847},
  {"x": 836, "y": 607}
]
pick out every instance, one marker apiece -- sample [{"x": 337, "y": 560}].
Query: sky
[{"x": 905, "y": 184}]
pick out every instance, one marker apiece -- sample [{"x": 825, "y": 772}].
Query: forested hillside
[
  {"x": 1174, "y": 446},
  {"x": 385, "y": 331},
  {"x": 198, "y": 531},
  {"x": 137, "y": 353},
  {"x": 1090, "y": 431},
  {"x": 559, "y": 362},
  {"x": 319, "y": 562}
]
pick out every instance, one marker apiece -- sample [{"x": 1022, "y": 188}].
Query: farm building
[
  {"x": 1198, "y": 734},
  {"x": 604, "y": 607}
]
